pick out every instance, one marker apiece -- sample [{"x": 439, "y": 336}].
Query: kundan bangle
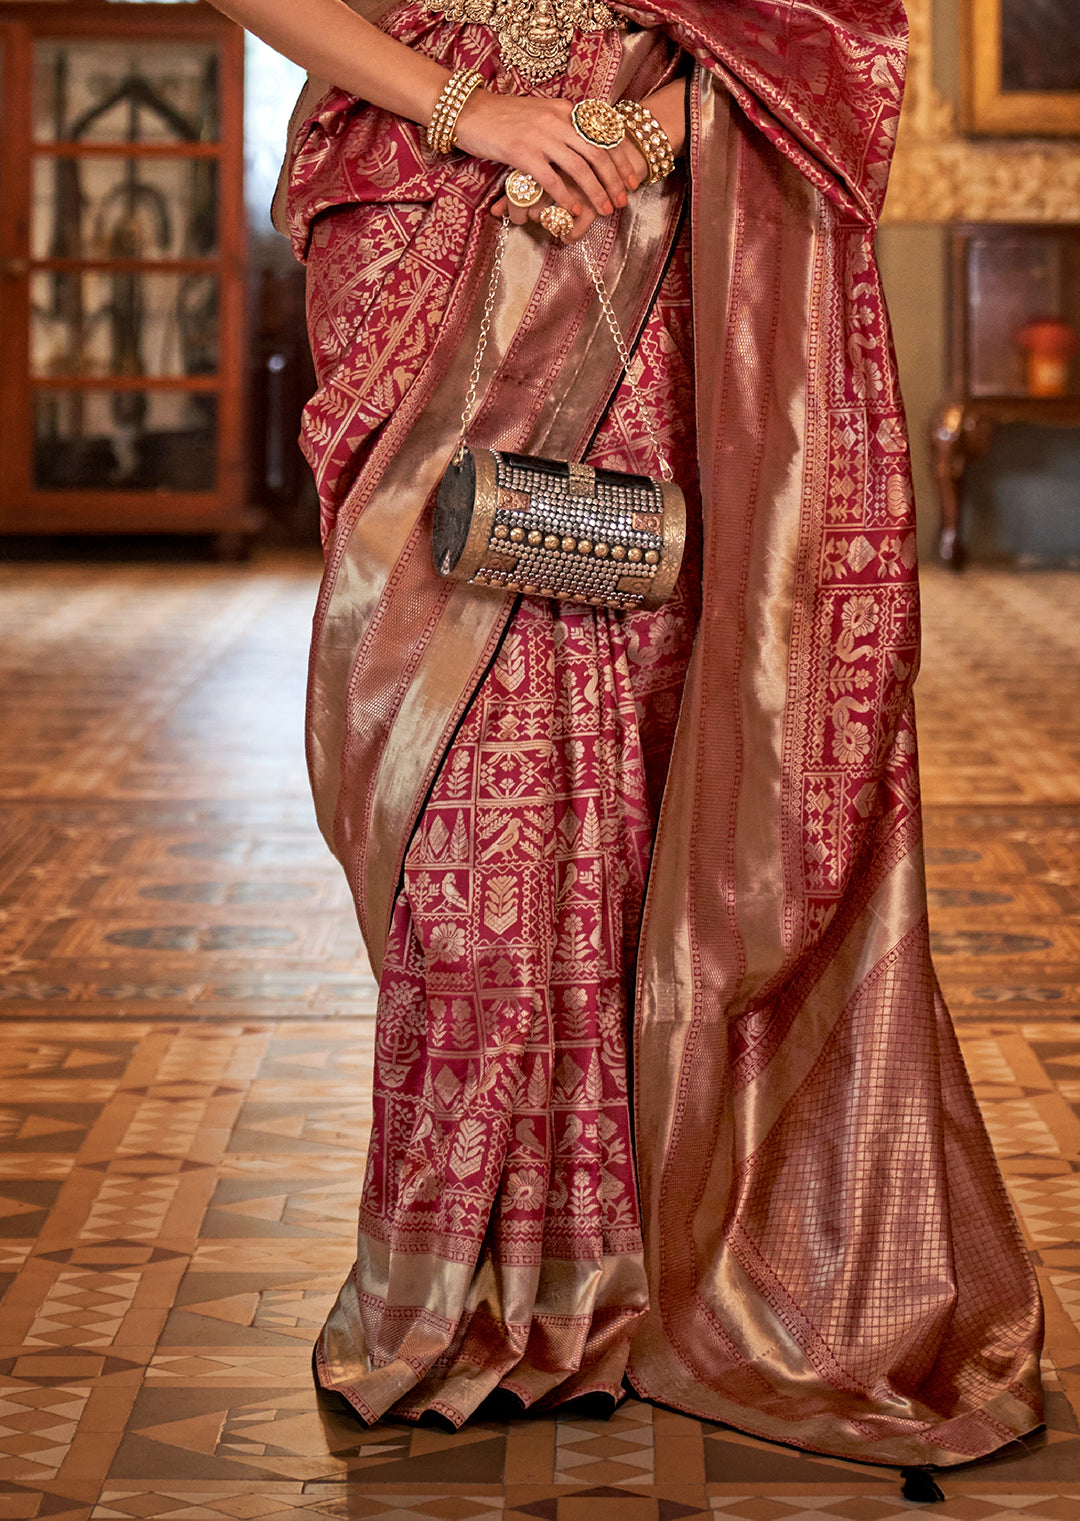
[
  {"x": 649, "y": 137},
  {"x": 442, "y": 127}
]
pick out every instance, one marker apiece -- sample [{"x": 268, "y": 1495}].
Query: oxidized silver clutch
[{"x": 552, "y": 528}]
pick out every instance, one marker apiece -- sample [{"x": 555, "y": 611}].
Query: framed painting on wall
[{"x": 1023, "y": 67}]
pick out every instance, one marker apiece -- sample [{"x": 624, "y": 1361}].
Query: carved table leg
[{"x": 948, "y": 447}]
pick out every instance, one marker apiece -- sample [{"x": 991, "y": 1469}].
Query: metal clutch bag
[
  {"x": 552, "y": 528},
  {"x": 556, "y": 528}
]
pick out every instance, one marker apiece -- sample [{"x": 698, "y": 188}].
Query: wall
[{"x": 939, "y": 177}]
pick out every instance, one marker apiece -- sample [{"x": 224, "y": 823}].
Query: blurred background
[
  {"x": 154, "y": 357},
  {"x": 154, "y": 354}
]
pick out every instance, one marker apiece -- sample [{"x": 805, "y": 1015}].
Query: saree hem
[{"x": 997, "y": 1435}]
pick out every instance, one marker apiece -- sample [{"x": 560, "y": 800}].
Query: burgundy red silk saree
[{"x": 664, "y": 1084}]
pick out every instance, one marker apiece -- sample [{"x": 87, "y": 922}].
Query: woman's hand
[
  {"x": 535, "y": 134},
  {"x": 626, "y": 162}
]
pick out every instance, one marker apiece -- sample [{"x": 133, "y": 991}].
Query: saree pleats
[
  {"x": 681, "y": 847},
  {"x": 501, "y": 1135}
]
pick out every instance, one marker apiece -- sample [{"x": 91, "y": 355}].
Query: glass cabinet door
[{"x": 122, "y": 227}]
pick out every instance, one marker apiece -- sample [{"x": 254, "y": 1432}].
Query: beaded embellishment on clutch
[
  {"x": 558, "y": 529},
  {"x": 534, "y": 35}
]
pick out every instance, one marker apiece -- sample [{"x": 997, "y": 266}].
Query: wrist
[
  {"x": 668, "y": 105},
  {"x": 646, "y": 136},
  {"x": 472, "y": 111},
  {"x": 639, "y": 163}
]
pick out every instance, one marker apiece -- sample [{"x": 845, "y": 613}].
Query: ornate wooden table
[
  {"x": 1002, "y": 277},
  {"x": 962, "y": 430}
]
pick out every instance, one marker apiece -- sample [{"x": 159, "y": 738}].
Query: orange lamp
[{"x": 1049, "y": 345}]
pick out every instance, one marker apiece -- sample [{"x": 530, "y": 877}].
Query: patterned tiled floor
[{"x": 184, "y": 1067}]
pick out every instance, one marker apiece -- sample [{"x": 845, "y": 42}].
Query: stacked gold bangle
[
  {"x": 442, "y": 127},
  {"x": 649, "y": 136}
]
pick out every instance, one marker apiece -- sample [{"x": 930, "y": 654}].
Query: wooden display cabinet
[
  {"x": 122, "y": 269},
  {"x": 1002, "y": 278}
]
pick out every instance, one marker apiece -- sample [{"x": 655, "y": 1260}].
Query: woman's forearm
[
  {"x": 334, "y": 43},
  {"x": 532, "y": 133}
]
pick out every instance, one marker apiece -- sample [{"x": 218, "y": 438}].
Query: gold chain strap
[
  {"x": 627, "y": 361},
  {"x": 613, "y": 325},
  {"x": 482, "y": 341}
]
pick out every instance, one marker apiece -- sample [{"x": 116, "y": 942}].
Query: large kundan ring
[
  {"x": 557, "y": 220},
  {"x": 522, "y": 190},
  {"x": 598, "y": 123}
]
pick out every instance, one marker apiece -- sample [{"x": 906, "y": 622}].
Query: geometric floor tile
[
  {"x": 1018, "y": 1129},
  {"x": 617, "y": 1451},
  {"x": 119, "y": 1504},
  {"x": 235, "y": 1366},
  {"x": 37, "y": 1427},
  {"x": 241, "y": 1208},
  {"x": 84, "y": 1309},
  {"x": 187, "y": 1046},
  {"x": 428, "y": 1508},
  {"x": 1049, "y": 1207},
  {"x": 989, "y": 1507},
  {"x": 208, "y": 1311},
  {"x": 986, "y": 1064},
  {"x": 164, "y": 1126},
  {"x": 1067, "y": 1291},
  {"x": 134, "y": 1207}
]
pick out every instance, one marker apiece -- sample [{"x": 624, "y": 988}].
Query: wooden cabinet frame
[
  {"x": 963, "y": 425},
  {"x": 25, "y": 507}
]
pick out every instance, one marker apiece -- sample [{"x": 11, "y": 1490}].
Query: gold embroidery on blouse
[{"x": 534, "y": 35}]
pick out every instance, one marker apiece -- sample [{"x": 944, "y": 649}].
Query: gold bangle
[
  {"x": 442, "y": 127},
  {"x": 649, "y": 137}
]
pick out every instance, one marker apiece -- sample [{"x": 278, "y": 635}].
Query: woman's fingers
[
  {"x": 630, "y": 162},
  {"x": 504, "y": 207},
  {"x": 537, "y": 136},
  {"x": 582, "y": 222},
  {"x": 556, "y": 186},
  {"x": 520, "y": 215},
  {"x": 568, "y": 180},
  {"x": 588, "y": 181},
  {"x": 606, "y": 170},
  {"x": 582, "y": 225}
]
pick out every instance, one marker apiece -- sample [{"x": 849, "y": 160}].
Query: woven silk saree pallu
[{"x": 664, "y": 1086}]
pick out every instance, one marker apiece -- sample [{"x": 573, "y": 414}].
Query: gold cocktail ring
[
  {"x": 557, "y": 220},
  {"x": 598, "y": 123},
  {"x": 522, "y": 190}
]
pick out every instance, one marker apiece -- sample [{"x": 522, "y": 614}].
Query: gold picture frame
[{"x": 1011, "y": 46}]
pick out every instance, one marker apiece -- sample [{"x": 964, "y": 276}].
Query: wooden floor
[{"x": 184, "y": 1071}]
